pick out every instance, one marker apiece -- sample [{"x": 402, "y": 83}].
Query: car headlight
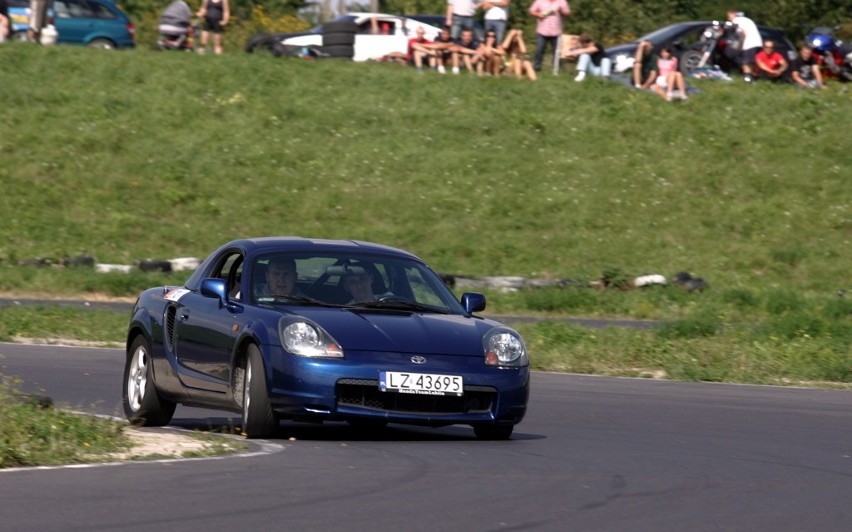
[
  {"x": 505, "y": 347},
  {"x": 306, "y": 338}
]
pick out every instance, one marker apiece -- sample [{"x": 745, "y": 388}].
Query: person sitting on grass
[
  {"x": 669, "y": 78},
  {"x": 515, "y": 57},
  {"x": 805, "y": 70},
  {"x": 441, "y": 49},
  {"x": 490, "y": 55},
  {"x": 591, "y": 59},
  {"x": 770, "y": 64},
  {"x": 466, "y": 50},
  {"x": 645, "y": 67}
]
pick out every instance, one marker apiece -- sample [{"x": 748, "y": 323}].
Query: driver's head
[{"x": 281, "y": 276}]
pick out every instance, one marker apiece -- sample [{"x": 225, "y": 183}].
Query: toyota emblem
[{"x": 417, "y": 359}]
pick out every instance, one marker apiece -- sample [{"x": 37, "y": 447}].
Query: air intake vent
[{"x": 170, "y": 327}]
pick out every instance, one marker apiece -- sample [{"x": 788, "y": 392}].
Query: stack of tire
[{"x": 338, "y": 39}]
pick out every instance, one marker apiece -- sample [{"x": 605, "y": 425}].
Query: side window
[
  {"x": 230, "y": 268},
  {"x": 423, "y": 293},
  {"x": 79, "y": 9},
  {"x": 101, "y": 11}
]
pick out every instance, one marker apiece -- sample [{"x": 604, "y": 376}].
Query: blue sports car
[{"x": 316, "y": 330}]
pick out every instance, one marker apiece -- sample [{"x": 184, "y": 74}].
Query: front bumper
[{"x": 335, "y": 389}]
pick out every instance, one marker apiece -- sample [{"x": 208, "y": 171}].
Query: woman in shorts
[{"x": 215, "y": 14}]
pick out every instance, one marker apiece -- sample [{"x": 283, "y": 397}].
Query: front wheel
[
  {"x": 690, "y": 60},
  {"x": 493, "y": 432},
  {"x": 142, "y": 404},
  {"x": 259, "y": 420}
]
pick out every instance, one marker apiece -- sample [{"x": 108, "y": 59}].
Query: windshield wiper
[
  {"x": 397, "y": 304},
  {"x": 275, "y": 298}
]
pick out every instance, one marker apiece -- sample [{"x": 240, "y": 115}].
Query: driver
[
  {"x": 281, "y": 276},
  {"x": 359, "y": 283}
]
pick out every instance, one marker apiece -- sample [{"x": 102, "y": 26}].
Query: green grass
[{"x": 135, "y": 155}]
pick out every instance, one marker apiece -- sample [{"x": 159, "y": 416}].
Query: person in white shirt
[
  {"x": 496, "y": 17},
  {"x": 750, "y": 42},
  {"x": 460, "y": 16}
]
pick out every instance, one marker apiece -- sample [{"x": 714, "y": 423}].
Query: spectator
[
  {"x": 591, "y": 58},
  {"x": 417, "y": 51},
  {"x": 496, "y": 17},
  {"x": 805, "y": 70},
  {"x": 5, "y": 23},
  {"x": 548, "y": 27},
  {"x": 645, "y": 66},
  {"x": 750, "y": 42},
  {"x": 515, "y": 56},
  {"x": 460, "y": 16},
  {"x": 669, "y": 77},
  {"x": 490, "y": 55},
  {"x": 770, "y": 64},
  {"x": 442, "y": 49},
  {"x": 216, "y": 15},
  {"x": 466, "y": 48}
]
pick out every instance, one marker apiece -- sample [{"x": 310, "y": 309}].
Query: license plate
[{"x": 421, "y": 383}]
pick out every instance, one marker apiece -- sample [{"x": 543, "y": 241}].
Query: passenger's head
[
  {"x": 358, "y": 283},
  {"x": 281, "y": 276}
]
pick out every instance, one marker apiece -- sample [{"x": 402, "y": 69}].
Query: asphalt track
[{"x": 593, "y": 453}]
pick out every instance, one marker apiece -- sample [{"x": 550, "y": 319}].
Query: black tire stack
[{"x": 338, "y": 39}]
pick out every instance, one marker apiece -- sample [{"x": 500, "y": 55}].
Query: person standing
[
  {"x": 496, "y": 17},
  {"x": 548, "y": 27},
  {"x": 460, "y": 16},
  {"x": 216, "y": 14},
  {"x": 750, "y": 42}
]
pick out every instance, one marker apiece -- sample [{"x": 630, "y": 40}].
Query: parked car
[
  {"x": 685, "y": 36},
  {"x": 98, "y": 23},
  {"x": 319, "y": 330},
  {"x": 360, "y": 36}
]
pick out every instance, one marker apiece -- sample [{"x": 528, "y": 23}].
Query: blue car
[
  {"x": 320, "y": 330},
  {"x": 97, "y": 23}
]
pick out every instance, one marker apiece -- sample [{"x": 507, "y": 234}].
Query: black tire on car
[
  {"x": 106, "y": 44},
  {"x": 142, "y": 404},
  {"x": 339, "y": 27},
  {"x": 339, "y": 51},
  {"x": 689, "y": 61},
  {"x": 338, "y": 39},
  {"x": 493, "y": 432},
  {"x": 259, "y": 420}
]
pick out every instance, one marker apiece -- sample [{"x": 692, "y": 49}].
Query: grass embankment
[{"x": 137, "y": 155}]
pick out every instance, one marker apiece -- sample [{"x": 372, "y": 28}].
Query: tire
[
  {"x": 338, "y": 39},
  {"x": 259, "y": 420},
  {"x": 493, "y": 432},
  {"x": 689, "y": 61},
  {"x": 340, "y": 51},
  {"x": 339, "y": 27},
  {"x": 142, "y": 404},
  {"x": 106, "y": 44}
]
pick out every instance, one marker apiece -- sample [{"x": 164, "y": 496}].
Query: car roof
[{"x": 297, "y": 243}]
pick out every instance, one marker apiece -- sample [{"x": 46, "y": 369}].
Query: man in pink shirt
[{"x": 548, "y": 14}]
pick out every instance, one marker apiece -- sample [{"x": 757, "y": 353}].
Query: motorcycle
[
  {"x": 833, "y": 55},
  {"x": 714, "y": 49}
]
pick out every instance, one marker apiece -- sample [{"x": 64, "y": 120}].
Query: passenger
[
  {"x": 358, "y": 282},
  {"x": 591, "y": 59}
]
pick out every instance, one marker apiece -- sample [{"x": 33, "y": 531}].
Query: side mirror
[
  {"x": 473, "y": 302},
  {"x": 215, "y": 288}
]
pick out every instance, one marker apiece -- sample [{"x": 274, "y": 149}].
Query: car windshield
[{"x": 349, "y": 280}]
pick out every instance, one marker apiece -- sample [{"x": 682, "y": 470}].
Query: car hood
[{"x": 423, "y": 333}]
